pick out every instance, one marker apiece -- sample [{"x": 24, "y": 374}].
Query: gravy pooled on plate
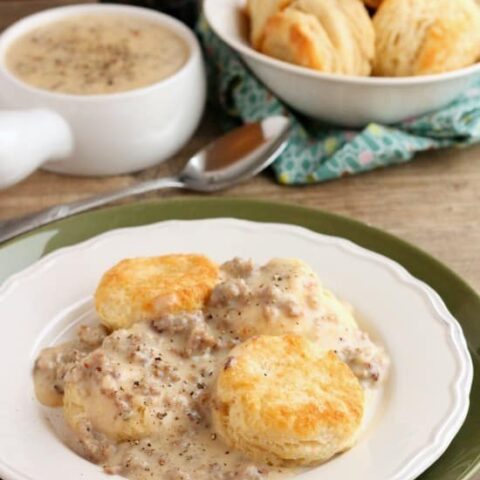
[
  {"x": 96, "y": 54},
  {"x": 139, "y": 400}
]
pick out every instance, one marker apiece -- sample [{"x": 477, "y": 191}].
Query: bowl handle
[{"x": 29, "y": 138}]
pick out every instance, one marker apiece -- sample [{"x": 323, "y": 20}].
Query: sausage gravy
[{"x": 168, "y": 367}]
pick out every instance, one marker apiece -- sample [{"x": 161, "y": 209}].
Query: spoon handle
[{"x": 12, "y": 228}]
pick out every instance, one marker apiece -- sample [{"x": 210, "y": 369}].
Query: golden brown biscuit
[
  {"x": 333, "y": 36},
  {"x": 143, "y": 288},
  {"x": 297, "y": 37},
  {"x": 259, "y": 12},
  {"x": 349, "y": 29},
  {"x": 418, "y": 37},
  {"x": 281, "y": 400}
]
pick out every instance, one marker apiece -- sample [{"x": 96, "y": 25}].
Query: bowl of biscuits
[{"x": 353, "y": 62}]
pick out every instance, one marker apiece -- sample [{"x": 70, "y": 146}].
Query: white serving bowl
[
  {"x": 105, "y": 134},
  {"x": 339, "y": 99}
]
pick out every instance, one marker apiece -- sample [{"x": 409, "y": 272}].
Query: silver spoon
[{"x": 237, "y": 156}]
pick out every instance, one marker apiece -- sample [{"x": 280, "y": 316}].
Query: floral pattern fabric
[{"x": 319, "y": 152}]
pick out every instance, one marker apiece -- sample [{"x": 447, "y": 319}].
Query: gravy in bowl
[{"x": 96, "y": 54}]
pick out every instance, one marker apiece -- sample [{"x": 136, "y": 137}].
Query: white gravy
[
  {"x": 170, "y": 364},
  {"x": 94, "y": 54}
]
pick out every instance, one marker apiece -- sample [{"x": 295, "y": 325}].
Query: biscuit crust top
[
  {"x": 145, "y": 288},
  {"x": 280, "y": 399}
]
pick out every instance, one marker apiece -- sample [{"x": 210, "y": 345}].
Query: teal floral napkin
[{"x": 319, "y": 152}]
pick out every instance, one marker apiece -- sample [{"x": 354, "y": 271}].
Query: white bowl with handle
[
  {"x": 338, "y": 99},
  {"x": 104, "y": 134}
]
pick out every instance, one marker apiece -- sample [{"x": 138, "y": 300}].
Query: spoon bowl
[{"x": 237, "y": 156}]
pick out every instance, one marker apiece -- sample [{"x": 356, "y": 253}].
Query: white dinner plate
[{"x": 419, "y": 409}]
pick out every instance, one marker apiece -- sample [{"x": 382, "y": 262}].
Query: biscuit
[
  {"x": 350, "y": 30},
  {"x": 114, "y": 392},
  {"x": 280, "y": 400},
  {"x": 331, "y": 36},
  {"x": 90, "y": 408},
  {"x": 295, "y": 302},
  {"x": 361, "y": 28},
  {"x": 297, "y": 37},
  {"x": 419, "y": 37},
  {"x": 259, "y": 11},
  {"x": 144, "y": 288}
]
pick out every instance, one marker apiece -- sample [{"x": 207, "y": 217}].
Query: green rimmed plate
[{"x": 462, "y": 458}]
